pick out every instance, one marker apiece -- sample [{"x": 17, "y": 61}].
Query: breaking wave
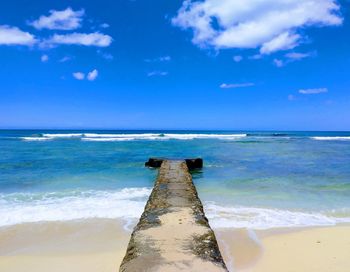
[
  {"x": 128, "y": 204},
  {"x": 334, "y": 138},
  {"x": 103, "y": 137},
  {"x": 262, "y": 218}
]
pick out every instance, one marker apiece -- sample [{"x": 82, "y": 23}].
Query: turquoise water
[{"x": 256, "y": 180}]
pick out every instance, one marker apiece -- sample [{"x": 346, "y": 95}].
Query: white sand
[{"x": 99, "y": 245}]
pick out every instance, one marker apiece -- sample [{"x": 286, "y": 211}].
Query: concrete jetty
[{"x": 173, "y": 233}]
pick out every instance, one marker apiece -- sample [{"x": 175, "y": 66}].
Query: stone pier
[{"x": 173, "y": 233}]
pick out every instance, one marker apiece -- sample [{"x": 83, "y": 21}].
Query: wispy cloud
[
  {"x": 278, "y": 63},
  {"x": 10, "y": 35},
  {"x": 104, "y": 25},
  {"x": 159, "y": 59},
  {"x": 105, "y": 55},
  {"x": 237, "y": 58},
  {"x": 291, "y": 97},
  {"x": 268, "y": 25},
  {"x": 65, "y": 59},
  {"x": 44, "y": 58},
  {"x": 292, "y": 57},
  {"x": 236, "y": 85},
  {"x": 313, "y": 91},
  {"x": 67, "y": 19},
  {"x": 92, "y": 75},
  {"x": 299, "y": 56},
  {"x": 256, "y": 57},
  {"x": 79, "y": 75},
  {"x": 157, "y": 73},
  {"x": 90, "y": 39}
]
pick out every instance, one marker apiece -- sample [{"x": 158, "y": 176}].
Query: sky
[{"x": 209, "y": 64}]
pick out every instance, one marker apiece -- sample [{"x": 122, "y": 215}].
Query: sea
[{"x": 251, "y": 179}]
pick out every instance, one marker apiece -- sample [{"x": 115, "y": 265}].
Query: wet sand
[{"x": 100, "y": 245}]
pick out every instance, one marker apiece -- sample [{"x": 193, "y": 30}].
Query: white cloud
[
  {"x": 256, "y": 57},
  {"x": 92, "y": 75},
  {"x": 105, "y": 55},
  {"x": 104, "y": 25},
  {"x": 160, "y": 59},
  {"x": 279, "y": 63},
  {"x": 292, "y": 57},
  {"x": 67, "y": 19},
  {"x": 79, "y": 75},
  {"x": 284, "y": 41},
  {"x": 90, "y": 39},
  {"x": 269, "y": 25},
  {"x": 44, "y": 58},
  {"x": 237, "y": 85},
  {"x": 10, "y": 35},
  {"x": 299, "y": 56},
  {"x": 237, "y": 58},
  {"x": 313, "y": 91},
  {"x": 157, "y": 73},
  {"x": 65, "y": 59},
  {"x": 291, "y": 97}
]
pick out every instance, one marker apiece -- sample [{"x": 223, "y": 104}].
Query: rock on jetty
[{"x": 173, "y": 233}]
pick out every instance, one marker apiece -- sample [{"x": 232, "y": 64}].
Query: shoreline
[{"x": 100, "y": 245}]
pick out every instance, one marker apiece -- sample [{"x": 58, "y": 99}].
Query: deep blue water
[{"x": 250, "y": 179}]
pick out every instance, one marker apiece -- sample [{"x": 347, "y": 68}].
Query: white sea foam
[
  {"x": 35, "y": 138},
  {"x": 49, "y": 136},
  {"x": 261, "y": 218},
  {"x": 158, "y": 137},
  {"x": 330, "y": 138},
  {"x": 104, "y": 137},
  {"x": 63, "y": 135},
  {"x": 22, "y": 208},
  {"x": 128, "y": 204},
  {"x": 204, "y": 136},
  {"x": 108, "y": 139},
  {"x": 139, "y": 135}
]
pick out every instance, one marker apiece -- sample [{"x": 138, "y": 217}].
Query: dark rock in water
[
  {"x": 192, "y": 164},
  {"x": 154, "y": 162}
]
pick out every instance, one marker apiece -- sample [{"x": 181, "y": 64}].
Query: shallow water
[{"x": 257, "y": 180}]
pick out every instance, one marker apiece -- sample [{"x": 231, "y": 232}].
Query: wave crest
[
  {"x": 331, "y": 138},
  {"x": 103, "y": 137},
  {"x": 262, "y": 218}
]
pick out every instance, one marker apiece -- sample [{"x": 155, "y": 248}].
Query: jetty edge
[{"x": 173, "y": 233}]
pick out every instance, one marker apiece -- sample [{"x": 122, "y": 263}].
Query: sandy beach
[
  {"x": 99, "y": 245},
  {"x": 319, "y": 249},
  {"x": 93, "y": 245}
]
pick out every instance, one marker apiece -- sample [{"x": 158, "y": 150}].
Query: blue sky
[{"x": 175, "y": 64}]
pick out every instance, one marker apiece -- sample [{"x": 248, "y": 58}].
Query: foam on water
[
  {"x": 329, "y": 138},
  {"x": 203, "y": 136},
  {"x": 19, "y": 208},
  {"x": 62, "y": 135},
  {"x": 108, "y": 139},
  {"x": 35, "y": 138},
  {"x": 262, "y": 218},
  {"x": 105, "y": 137},
  {"x": 128, "y": 204}
]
